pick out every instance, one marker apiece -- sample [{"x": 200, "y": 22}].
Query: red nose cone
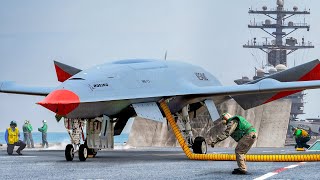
[{"x": 61, "y": 101}]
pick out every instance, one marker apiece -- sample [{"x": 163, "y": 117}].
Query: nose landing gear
[
  {"x": 74, "y": 127},
  {"x": 70, "y": 151}
]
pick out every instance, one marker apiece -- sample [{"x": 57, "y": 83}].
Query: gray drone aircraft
[{"x": 104, "y": 97}]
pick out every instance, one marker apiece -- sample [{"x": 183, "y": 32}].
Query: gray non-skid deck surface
[{"x": 155, "y": 163}]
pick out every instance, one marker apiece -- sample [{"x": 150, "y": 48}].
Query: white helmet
[{"x": 44, "y": 121}]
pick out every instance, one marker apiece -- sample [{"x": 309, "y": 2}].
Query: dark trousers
[
  {"x": 31, "y": 139},
  {"x": 302, "y": 142},
  {"x": 21, "y": 145},
  {"x": 44, "y": 140},
  {"x": 28, "y": 139}
]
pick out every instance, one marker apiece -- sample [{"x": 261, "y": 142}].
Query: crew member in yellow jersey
[
  {"x": 302, "y": 137},
  {"x": 12, "y": 136}
]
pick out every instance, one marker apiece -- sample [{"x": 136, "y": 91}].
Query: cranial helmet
[
  {"x": 226, "y": 116},
  {"x": 13, "y": 123},
  {"x": 44, "y": 121}
]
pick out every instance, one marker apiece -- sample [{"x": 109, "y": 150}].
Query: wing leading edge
[
  {"x": 264, "y": 86},
  {"x": 11, "y": 87}
]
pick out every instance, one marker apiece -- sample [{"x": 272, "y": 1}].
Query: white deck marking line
[
  {"x": 278, "y": 171},
  {"x": 291, "y": 166},
  {"x": 266, "y": 176}
]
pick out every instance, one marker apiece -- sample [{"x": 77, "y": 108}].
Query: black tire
[
  {"x": 199, "y": 145},
  {"x": 83, "y": 152},
  {"x": 68, "y": 153}
]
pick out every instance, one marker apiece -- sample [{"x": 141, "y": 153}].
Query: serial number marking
[
  {"x": 145, "y": 81},
  {"x": 201, "y": 76}
]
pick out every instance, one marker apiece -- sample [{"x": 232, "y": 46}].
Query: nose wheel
[
  {"x": 70, "y": 151},
  {"x": 83, "y": 152}
]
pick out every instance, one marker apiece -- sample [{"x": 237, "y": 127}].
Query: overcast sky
[{"x": 207, "y": 33}]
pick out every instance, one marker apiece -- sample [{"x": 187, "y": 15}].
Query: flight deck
[{"x": 149, "y": 163}]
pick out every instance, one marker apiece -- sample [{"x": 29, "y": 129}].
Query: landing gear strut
[
  {"x": 199, "y": 144},
  {"x": 187, "y": 130},
  {"x": 74, "y": 127}
]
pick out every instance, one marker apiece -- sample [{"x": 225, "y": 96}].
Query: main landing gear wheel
[
  {"x": 199, "y": 145},
  {"x": 69, "y": 152},
  {"x": 83, "y": 152}
]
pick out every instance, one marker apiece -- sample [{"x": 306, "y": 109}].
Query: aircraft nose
[{"x": 61, "y": 101}]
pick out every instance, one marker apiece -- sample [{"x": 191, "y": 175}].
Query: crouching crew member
[{"x": 12, "y": 136}]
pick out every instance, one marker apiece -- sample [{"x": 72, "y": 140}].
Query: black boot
[
  {"x": 239, "y": 171},
  {"x": 19, "y": 152}
]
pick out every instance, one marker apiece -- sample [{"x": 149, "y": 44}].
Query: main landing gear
[{"x": 198, "y": 145}]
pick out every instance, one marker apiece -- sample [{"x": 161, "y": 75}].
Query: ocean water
[{"x": 62, "y": 137}]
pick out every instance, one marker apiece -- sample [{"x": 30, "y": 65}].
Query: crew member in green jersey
[{"x": 243, "y": 133}]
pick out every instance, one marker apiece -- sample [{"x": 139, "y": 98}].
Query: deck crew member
[
  {"x": 243, "y": 133},
  {"x": 302, "y": 137},
  {"x": 43, "y": 130},
  {"x": 12, "y": 136}
]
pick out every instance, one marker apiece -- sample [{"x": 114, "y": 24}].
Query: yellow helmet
[{"x": 226, "y": 116}]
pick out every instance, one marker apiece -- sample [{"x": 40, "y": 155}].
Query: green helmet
[{"x": 13, "y": 123}]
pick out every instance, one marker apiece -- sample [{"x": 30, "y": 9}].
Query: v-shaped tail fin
[{"x": 64, "y": 71}]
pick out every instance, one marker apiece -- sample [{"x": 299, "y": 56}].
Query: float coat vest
[
  {"x": 243, "y": 128},
  {"x": 301, "y": 133},
  {"x": 13, "y": 136}
]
